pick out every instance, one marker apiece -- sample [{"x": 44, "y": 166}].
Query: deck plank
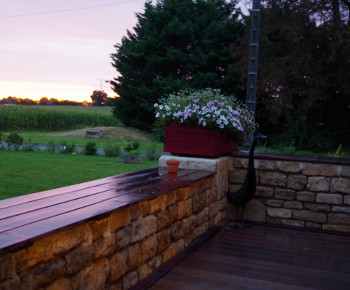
[{"x": 262, "y": 257}]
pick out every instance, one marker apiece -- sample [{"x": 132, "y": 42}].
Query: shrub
[
  {"x": 151, "y": 152},
  {"x": 112, "y": 149},
  {"x": 90, "y": 148},
  {"x": 67, "y": 148},
  {"x": 14, "y": 140},
  {"x": 133, "y": 146},
  {"x": 51, "y": 147}
]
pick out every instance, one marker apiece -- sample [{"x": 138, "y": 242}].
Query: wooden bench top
[{"x": 26, "y": 218}]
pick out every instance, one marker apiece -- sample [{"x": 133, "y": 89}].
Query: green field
[
  {"x": 79, "y": 109},
  {"x": 54, "y": 118},
  {"x": 22, "y": 173}
]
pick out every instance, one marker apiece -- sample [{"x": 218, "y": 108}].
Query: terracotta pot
[{"x": 172, "y": 165}]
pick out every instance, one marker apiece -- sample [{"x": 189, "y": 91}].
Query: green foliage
[
  {"x": 112, "y": 149},
  {"x": 151, "y": 152},
  {"x": 90, "y": 148},
  {"x": 67, "y": 148},
  {"x": 134, "y": 146},
  {"x": 176, "y": 44},
  {"x": 303, "y": 66},
  {"x": 14, "y": 118},
  {"x": 134, "y": 152},
  {"x": 51, "y": 146},
  {"x": 337, "y": 153},
  {"x": 29, "y": 146},
  {"x": 303, "y": 136},
  {"x": 14, "y": 140},
  {"x": 2, "y": 137}
]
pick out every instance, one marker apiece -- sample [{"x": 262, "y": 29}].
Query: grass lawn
[{"x": 22, "y": 173}]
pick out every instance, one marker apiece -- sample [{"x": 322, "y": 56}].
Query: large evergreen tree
[
  {"x": 304, "y": 70},
  {"x": 176, "y": 44}
]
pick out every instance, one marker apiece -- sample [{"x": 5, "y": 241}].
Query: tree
[
  {"x": 98, "y": 98},
  {"x": 176, "y": 44},
  {"x": 304, "y": 79},
  {"x": 44, "y": 101}
]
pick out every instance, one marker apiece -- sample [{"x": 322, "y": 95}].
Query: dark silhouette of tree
[
  {"x": 44, "y": 101},
  {"x": 98, "y": 98}
]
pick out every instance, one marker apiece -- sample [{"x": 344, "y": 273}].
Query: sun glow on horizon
[{"x": 37, "y": 90}]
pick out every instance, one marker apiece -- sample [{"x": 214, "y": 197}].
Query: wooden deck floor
[{"x": 261, "y": 257}]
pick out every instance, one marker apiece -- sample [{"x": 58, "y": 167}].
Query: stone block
[
  {"x": 339, "y": 218},
  {"x": 255, "y": 211},
  {"x": 293, "y": 204},
  {"x": 273, "y": 178},
  {"x": 320, "y": 169},
  {"x": 214, "y": 209},
  {"x": 293, "y": 223},
  {"x": 155, "y": 262},
  {"x": 92, "y": 277},
  {"x": 158, "y": 203},
  {"x": 167, "y": 217},
  {"x": 238, "y": 162},
  {"x": 7, "y": 266},
  {"x": 274, "y": 202},
  {"x": 60, "y": 284},
  {"x": 78, "y": 258},
  {"x": 149, "y": 247},
  {"x": 341, "y": 209},
  {"x": 119, "y": 219},
  {"x": 340, "y": 185},
  {"x": 164, "y": 240},
  {"x": 312, "y": 225},
  {"x": 329, "y": 198},
  {"x": 308, "y": 215},
  {"x": 199, "y": 202},
  {"x": 129, "y": 280},
  {"x": 279, "y": 212},
  {"x": 338, "y": 228},
  {"x": 173, "y": 249},
  {"x": 41, "y": 274},
  {"x": 267, "y": 165},
  {"x": 143, "y": 272},
  {"x": 122, "y": 237},
  {"x": 177, "y": 231},
  {"x": 345, "y": 171},
  {"x": 285, "y": 194},
  {"x": 104, "y": 247},
  {"x": 182, "y": 193},
  {"x": 135, "y": 211},
  {"x": 134, "y": 256},
  {"x": 290, "y": 167},
  {"x": 118, "y": 265},
  {"x": 145, "y": 207},
  {"x": 318, "y": 183},
  {"x": 237, "y": 175},
  {"x": 99, "y": 228},
  {"x": 347, "y": 199},
  {"x": 184, "y": 208},
  {"x": 264, "y": 191},
  {"x": 317, "y": 207},
  {"x": 306, "y": 196},
  {"x": 276, "y": 221},
  {"x": 143, "y": 227},
  {"x": 296, "y": 181}
]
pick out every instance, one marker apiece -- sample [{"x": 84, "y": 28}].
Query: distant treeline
[{"x": 42, "y": 101}]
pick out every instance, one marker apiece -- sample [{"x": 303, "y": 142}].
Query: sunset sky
[{"x": 61, "y": 49}]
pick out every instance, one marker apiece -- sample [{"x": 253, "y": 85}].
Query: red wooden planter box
[{"x": 195, "y": 140}]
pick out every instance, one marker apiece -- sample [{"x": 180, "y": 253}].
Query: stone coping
[
  {"x": 194, "y": 163},
  {"x": 294, "y": 157}
]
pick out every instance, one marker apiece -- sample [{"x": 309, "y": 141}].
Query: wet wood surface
[
  {"x": 261, "y": 257},
  {"x": 25, "y": 218}
]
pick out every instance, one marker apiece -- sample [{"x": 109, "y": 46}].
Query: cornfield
[{"x": 16, "y": 118}]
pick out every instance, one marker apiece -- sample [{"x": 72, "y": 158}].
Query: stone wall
[
  {"x": 303, "y": 193},
  {"x": 119, "y": 250}
]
